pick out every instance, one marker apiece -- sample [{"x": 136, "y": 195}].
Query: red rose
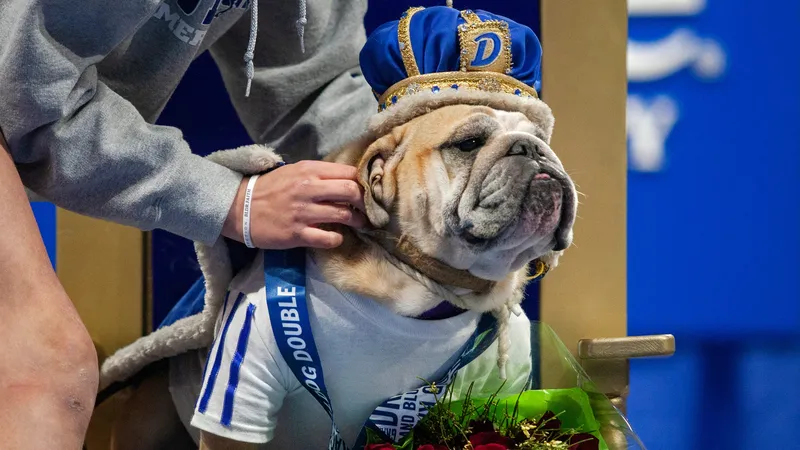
[
  {"x": 548, "y": 422},
  {"x": 479, "y": 426},
  {"x": 432, "y": 447},
  {"x": 489, "y": 438},
  {"x": 491, "y": 447},
  {"x": 379, "y": 447},
  {"x": 583, "y": 441}
]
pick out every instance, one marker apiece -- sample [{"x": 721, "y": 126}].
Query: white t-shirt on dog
[{"x": 368, "y": 354}]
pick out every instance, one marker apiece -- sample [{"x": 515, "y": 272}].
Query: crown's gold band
[
  {"x": 440, "y": 82},
  {"x": 404, "y": 42}
]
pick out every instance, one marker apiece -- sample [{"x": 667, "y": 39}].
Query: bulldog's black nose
[
  {"x": 523, "y": 148},
  {"x": 561, "y": 243}
]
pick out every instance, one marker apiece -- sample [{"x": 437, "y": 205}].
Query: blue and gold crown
[{"x": 441, "y": 48}]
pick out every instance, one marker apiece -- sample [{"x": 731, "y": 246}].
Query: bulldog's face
[{"x": 475, "y": 187}]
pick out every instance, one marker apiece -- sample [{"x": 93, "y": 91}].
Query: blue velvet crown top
[{"x": 438, "y": 48}]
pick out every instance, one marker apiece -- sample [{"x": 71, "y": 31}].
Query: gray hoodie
[{"x": 83, "y": 81}]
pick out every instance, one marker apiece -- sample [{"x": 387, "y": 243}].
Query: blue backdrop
[
  {"x": 714, "y": 223},
  {"x": 715, "y": 229},
  {"x": 45, "y": 215}
]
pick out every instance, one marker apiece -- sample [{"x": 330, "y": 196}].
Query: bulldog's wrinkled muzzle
[{"x": 522, "y": 198}]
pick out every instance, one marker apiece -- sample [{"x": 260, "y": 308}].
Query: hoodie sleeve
[
  {"x": 304, "y": 104},
  {"x": 82, "y": 146}
]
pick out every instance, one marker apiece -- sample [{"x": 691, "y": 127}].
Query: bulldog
[
  {"x": 474, "y": 188},
  {"x": 461, "y": 200}
]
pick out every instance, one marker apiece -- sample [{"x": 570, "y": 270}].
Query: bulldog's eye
[{"x": 470, "y": 144}]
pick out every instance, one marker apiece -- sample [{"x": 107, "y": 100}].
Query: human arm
[
  {"x": 80, "y": 144},
  {"x": 48, "y": 371}
]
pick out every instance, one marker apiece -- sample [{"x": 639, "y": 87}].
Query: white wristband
[{"x": 248, "y": 197}]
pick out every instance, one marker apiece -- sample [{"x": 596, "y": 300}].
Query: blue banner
[{"x": 714, "y": 159}]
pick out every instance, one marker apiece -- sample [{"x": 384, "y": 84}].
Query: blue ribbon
[{"x": 285, "y": 282}]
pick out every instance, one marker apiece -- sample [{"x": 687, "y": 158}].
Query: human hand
[{"x": 290, "y": 202}]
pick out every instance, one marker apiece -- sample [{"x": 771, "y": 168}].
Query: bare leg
[{"x": 48, "y": 367}]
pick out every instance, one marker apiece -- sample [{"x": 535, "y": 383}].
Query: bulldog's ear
[{"x": 373, "y": 176}]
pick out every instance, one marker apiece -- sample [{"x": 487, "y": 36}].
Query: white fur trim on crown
[
  {"x": 415, "y": 105},
  {"x": 196, "y": 331}
]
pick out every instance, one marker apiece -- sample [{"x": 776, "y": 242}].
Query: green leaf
[
  {"x": 373, "y": 437},
  {"x": 407, "y": 443},
  {"x": 480, "y": 338}
]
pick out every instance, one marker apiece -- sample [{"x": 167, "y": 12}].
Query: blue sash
[{"x": 285, "y": 281}]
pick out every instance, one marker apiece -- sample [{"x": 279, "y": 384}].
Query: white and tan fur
[{"x": 413, "y": 190}]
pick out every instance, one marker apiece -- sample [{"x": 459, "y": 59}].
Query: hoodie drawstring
[
  {"x": 251, "y": 43},
  {"x": 301, "y": 25}
]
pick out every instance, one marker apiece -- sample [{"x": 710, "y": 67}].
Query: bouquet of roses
[
  {"x": 559, "y": 419},
  {"x": 559, "y": 409}
]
